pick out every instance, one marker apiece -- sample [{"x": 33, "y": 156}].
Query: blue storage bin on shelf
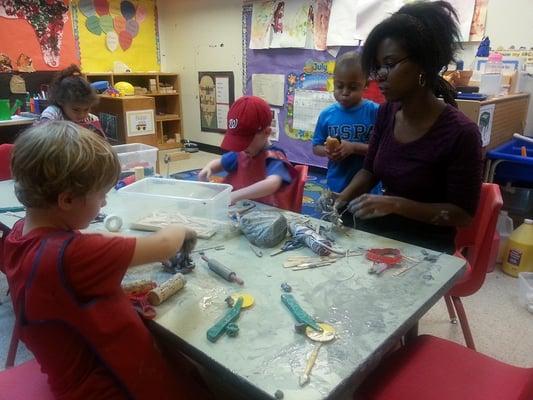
[{"x": 508, "y": 165}]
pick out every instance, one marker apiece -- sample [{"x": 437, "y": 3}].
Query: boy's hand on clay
[
  {"x": 205, "y": 174},
  {"x": 189, "y": 243},
  {"x": 342, "y": 151}
]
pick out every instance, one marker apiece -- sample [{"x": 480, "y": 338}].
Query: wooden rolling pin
[{"x": 166, "y": 289}]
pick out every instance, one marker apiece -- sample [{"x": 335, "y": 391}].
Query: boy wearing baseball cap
[{"x": 256, "y": 169}]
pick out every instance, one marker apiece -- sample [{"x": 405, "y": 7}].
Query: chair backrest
[
  {"x": 477, "y": 239},
  {"x": 299, "y": 195},
  {"x": 5, "y": 160}
]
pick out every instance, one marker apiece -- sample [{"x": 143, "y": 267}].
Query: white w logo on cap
[{"x": 233, "y": 122}]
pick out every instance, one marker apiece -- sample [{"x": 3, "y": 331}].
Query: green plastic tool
[
  {"x": 220, "y": 327},
  {"x": 298, "y": 313}
]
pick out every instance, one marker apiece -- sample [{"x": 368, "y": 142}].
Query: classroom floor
[{"x": 500, "y": 327}]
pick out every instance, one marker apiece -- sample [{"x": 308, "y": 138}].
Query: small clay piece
[
  {"x": 232, "y": 329},
  {"x": 181, "y": 263},
  {"x": 299, "y": 327},
  {"x": 286, "y": 287},
  {"x": 278, "y": 395},
  {"x": 332, "y": 143},
  {"x": 229, "y": 301}
]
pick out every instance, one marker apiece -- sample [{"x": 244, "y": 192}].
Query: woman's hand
[{"x": 372, "y": 206}]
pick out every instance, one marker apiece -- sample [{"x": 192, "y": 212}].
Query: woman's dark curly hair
[
  {"x": 69, "y": 87},
  {"x": 429, "y": 33}
]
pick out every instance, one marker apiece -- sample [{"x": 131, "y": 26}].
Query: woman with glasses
[{"x": 426, "y": 153}]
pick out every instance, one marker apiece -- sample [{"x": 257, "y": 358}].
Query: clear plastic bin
[
  {"x": 136, "y": 155},
  {"x": 195, "y": 199},
  {"x": 525, "y": 285}
]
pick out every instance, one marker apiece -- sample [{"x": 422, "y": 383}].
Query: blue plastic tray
[{"x": 518, "y": 169}]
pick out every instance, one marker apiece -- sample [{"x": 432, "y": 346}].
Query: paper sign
[
  {"x": 86, "y": 7},
  {"x": 222, "y": 116},
  {"x": 93, "y": 25},
  {"x": 141, "y": 13},
  {"x": 106, "y": 23},
  {"x": 112, "y": 41},
  {"x": 486, "y": 115},
  {"x": 274, "y": 125},
  {"x": 125, "y": 39},
  {"x": 140, "y": 122},
  {"x": 120, "y": 23},
  {"x": 102, "y": 7},
  {"x": 127, "y": 9},
  {"x": 222, "y": 90},
  {"x": 132, "y": 27},
  {"x": 342, "y": 23},
  {"x": 270, "y": 87},
  {"x": 307, "y": 107}
]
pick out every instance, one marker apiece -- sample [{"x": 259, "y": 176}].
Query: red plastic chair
[
  {"x": 473, "y": 243},
  {"x": 24, "y": 382},
  {"x": 5, "y": 160},
  {"x": 430, "y": 368},
  {"x": 299, "y": 195}
]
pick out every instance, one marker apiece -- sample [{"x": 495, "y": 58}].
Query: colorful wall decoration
[
  {"x": 114, "y": 30},
  {"x": 38, "y": 33}
]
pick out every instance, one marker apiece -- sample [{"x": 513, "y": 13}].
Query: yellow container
[{"x": 519, "y": 250}]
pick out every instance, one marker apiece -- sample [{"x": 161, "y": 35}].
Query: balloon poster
[{"x": 117, "y": 30}]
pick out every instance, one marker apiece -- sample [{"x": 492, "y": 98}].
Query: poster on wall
[
  {"x": 486, "y": 116},
  {"x": 477, "y": 30},
  {"x": 140, "y": 122},
  {"x": 290, "y": 24},
  {"x": 36, "y": 35},
  {"x": 116, "y": 30},
  {"x": 216, "y": 94}
]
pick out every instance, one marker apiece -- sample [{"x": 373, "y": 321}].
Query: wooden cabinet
[
  {"x": 510, "y": 115},
  {"x": 163, "y": 89}
]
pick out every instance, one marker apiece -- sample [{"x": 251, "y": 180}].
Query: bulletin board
[
  {"x": 307, "y": 66},
  {"x": 303, "y": 69},
  {"x": 115, "y": 30},
  {"x": 41, "y": 30}
]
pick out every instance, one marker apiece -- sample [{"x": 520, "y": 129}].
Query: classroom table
[{"x": 370, "y": 313}]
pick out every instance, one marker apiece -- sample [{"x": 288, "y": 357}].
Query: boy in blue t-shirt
[{"x": 351, "y": 120}]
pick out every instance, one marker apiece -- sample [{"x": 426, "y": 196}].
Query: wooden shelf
[
  {"x": 166, "y": 106},
  {"x": 167, "y": 117},
  {"x": 161, "y": 94},
  {"x": 167, "y": 146}
]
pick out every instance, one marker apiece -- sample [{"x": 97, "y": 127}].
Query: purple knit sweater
[{"x": 443, "y": 166}]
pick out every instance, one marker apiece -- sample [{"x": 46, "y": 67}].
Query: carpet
[{"x": 316, "y": 182}]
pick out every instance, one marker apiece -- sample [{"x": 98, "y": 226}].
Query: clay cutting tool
[
  {"x": 220, "y": 327},
  {"x": 304, "y": 379},
  {"x": 298, "y": 313}
]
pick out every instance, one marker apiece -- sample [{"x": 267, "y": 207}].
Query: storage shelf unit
[{"x": 164, "y": 89}]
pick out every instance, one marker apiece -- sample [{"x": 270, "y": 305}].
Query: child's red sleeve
[{"x": 95, "y": 264}]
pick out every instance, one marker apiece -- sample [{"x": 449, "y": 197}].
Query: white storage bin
[
  {"x": 136, "y": 155},
  {"x": 195, "y": 199},
  {"x": 525, "y": 286}
]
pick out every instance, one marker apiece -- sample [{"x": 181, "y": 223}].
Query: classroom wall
[
  {"x": 192, "y": 31},
  {"x": 200, "y": 35}
]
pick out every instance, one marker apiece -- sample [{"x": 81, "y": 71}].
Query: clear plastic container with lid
[
  {"x": 519, "y": 251},
  {"x": 494, "y": 64}
]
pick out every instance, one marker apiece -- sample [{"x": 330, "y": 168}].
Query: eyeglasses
[{"x": 383, "y": 71}]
